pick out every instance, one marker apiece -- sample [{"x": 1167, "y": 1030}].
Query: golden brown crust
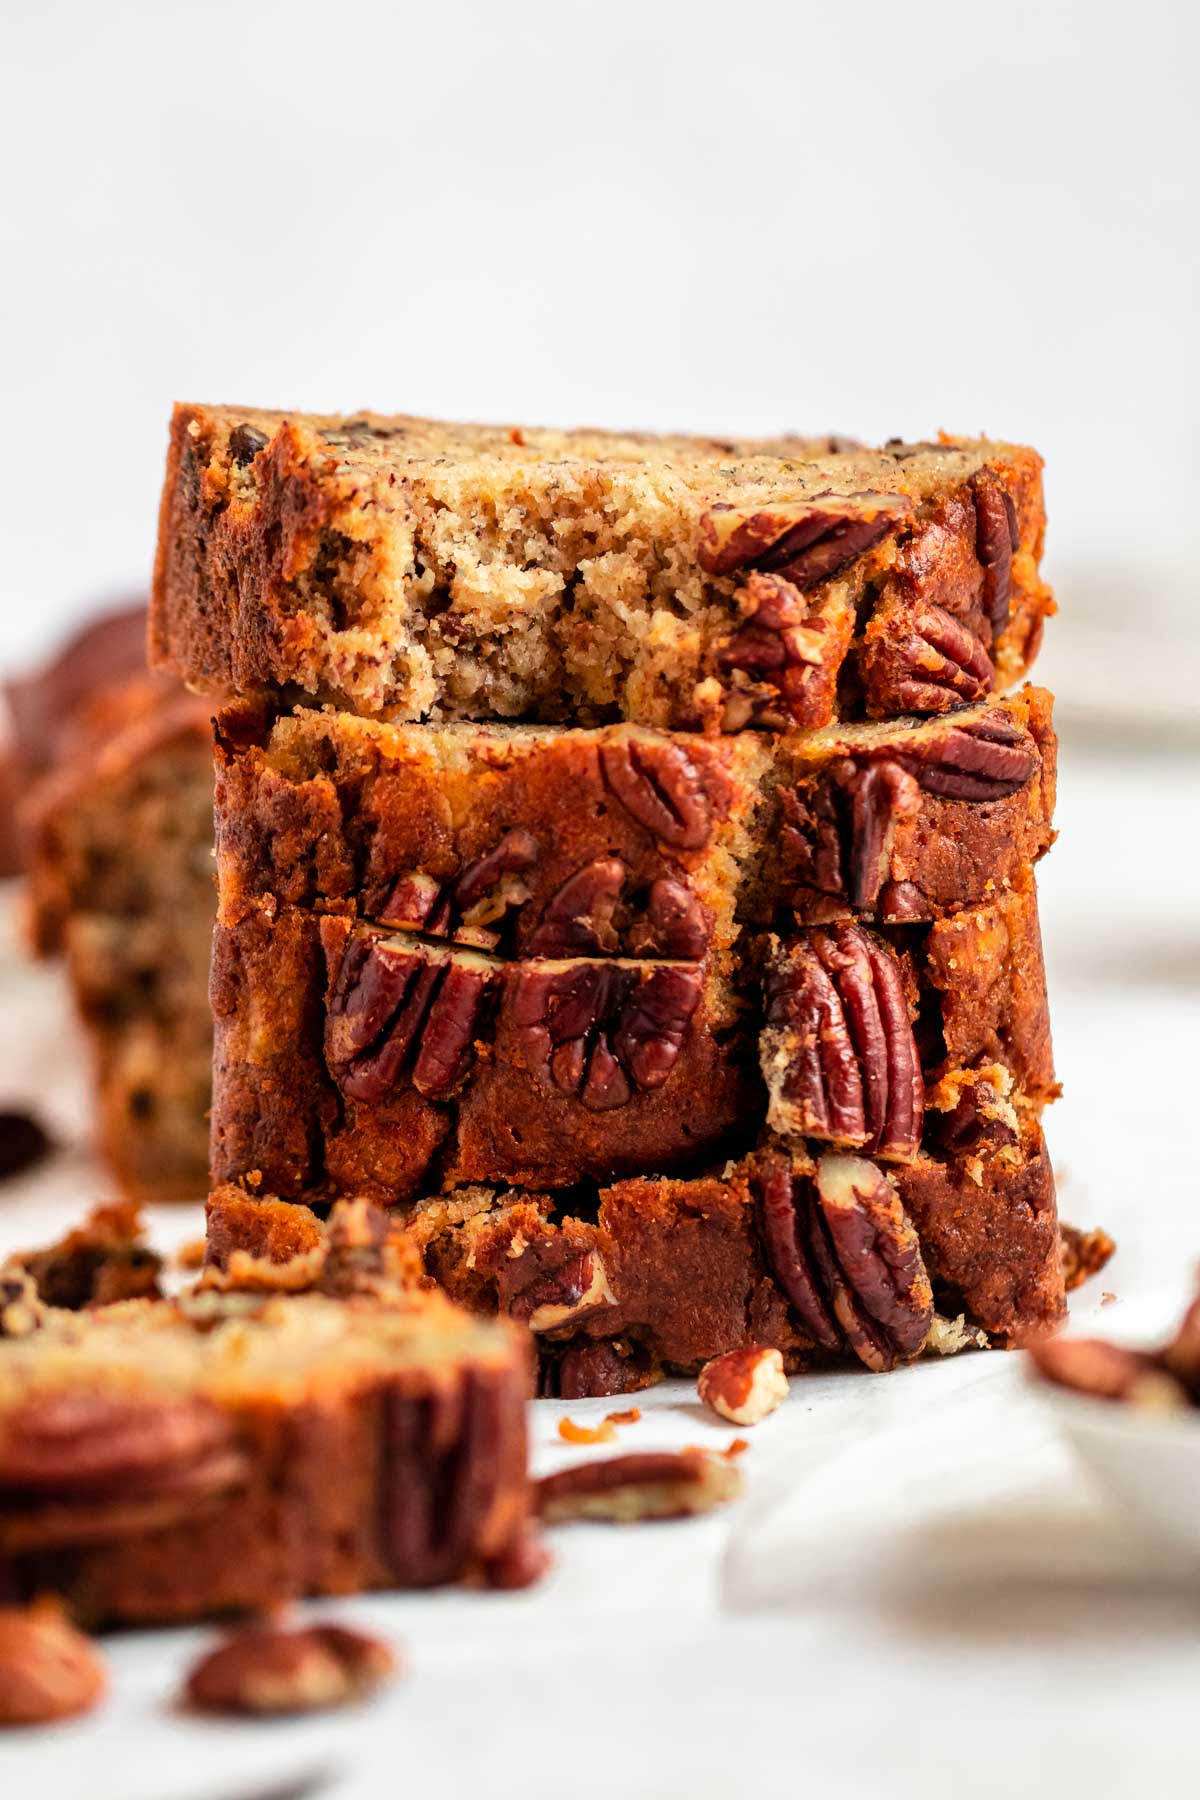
[{"x": 396, "y": 566}]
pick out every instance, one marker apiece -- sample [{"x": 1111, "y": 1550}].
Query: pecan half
[
  {"x": 929, "y": 662},
  {"x": 805, "y": 541},
  {"x": 838, "y": 1053},
  {"x": 48, "y": 1670},
  {"x": 664, "y": 1484},
  {"x": 840, "y": 843},
  {"x": 659, "y": 785},
  {"x": 847, "y": 1256},
  {"x": 997, "y": 539},
  {"x": 599, "y": 1031},
  {"x": 578, "y": 918},
  {"x": 401, "y": 1012},
  {"x": 265, "y": 1670},
  {"x": 88, "y": 1446},
  {"x": 986, "y": 758}
]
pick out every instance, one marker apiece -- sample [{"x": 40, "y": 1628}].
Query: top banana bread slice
[{"x": 405, "y": 569}]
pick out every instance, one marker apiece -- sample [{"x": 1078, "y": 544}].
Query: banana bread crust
[{"x": 399, "y": 567}]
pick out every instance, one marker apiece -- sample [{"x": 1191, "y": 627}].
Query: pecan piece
[
  {"x": 600, "y": 1030},
  {"x": 743, "y": 1385},
  {"x": 664, "y": 1484},
  {"x": 659, "y": 785},
  {"x": 401, "y": 1011},
  {"x": 489, "y": 885},
  {"x": 870, "y": 1255},
  {"x": 245, "y": 442},
  {"x": 417, "y": 902},
  {"x": 838, "y": 1052},
  {"x": 48, "y": 1670},
  {"x": 1108, "y": 1372},
  {"x": 805, "y": 541},
  {"x": 794, "y": 650},
  {"x": 987, "y": 758},
  {"x": 847, "y": 1256},
  {"x": 21, "y": 1311},
  {"x": 1084, "y": 1253},
  {"x": 841, "y": 842},
  {"x": 88, "y": 1446},
  {"x": 674, "y": 924},
  {"x": 997, "y": 540},
  {"x": 561, "y": 1284},
  {"x": 265, "y": 1670},
  {"x": 590, "y": 1371},
  {"x": 929, "y": 662},
  {"x": 23, "y": 1143},
  {"x": 578, "y": 918}
]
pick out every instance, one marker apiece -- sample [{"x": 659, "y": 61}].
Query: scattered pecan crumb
[
  {"x": 1107, "y": 1298},
  {"x": 735, "y": 1447},
  {"x": 604, "y": 1433},
  {"x": 268, "y": 1670},
  {"x": 663, "y": 1484},
  {"x": 743, "y": 1385},
  {"x": 48, "y": 1669},
  {"x": 629, "y": 1417}
]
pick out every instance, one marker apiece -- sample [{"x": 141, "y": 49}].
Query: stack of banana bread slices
[{"x": 625, "y": 855}]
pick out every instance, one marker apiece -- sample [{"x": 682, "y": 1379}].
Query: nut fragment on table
[
  {"x": 663, "y": 1484},
  {"x": 48, "y": 1669},
  {"x": 1108, "y": 1372},
  {"x": 269, "y": 1670},
  {"x": 744, "y": 1385}
]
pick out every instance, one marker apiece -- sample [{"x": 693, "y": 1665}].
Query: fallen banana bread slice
[
  {"x": 121, "y": 884},
  {"x": 164, "y": 1460},
  {"x": 405, "y": 568},
  {"x": 826, "y": 1258},
  {"x": 545, "y": 841}
]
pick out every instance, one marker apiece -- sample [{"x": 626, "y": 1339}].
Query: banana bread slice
[
  {"x": 164, "y": 1460},
  {"x": 354, "y": 1058},
  {"x": 620, "y": 840},
  {"x": 121, "y": 884},
  {"x": 409, "y": 569},
  {"x": 826, "y": 1257}
]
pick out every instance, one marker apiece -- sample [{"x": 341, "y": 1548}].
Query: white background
[
  {"x": 873, "y": 218},
  {"x": 870, "y": 218}
]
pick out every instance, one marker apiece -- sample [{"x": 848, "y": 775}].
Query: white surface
[
  {"x": 869, "y": 218},
  {"x": 921, "y": 1590}
]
